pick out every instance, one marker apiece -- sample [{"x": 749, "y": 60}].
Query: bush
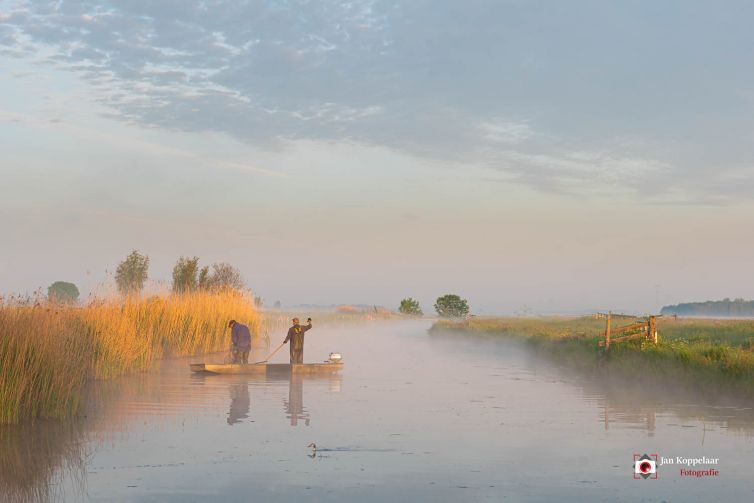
[
  {"x": 62, "y": 292},
  {"x": 451, "y": 306},
  {"x": 410, "y": 307}
]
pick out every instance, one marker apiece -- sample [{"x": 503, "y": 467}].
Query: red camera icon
[{"x": 645, "y": 466}]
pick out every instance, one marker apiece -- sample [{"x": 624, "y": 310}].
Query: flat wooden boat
[{"x": 267, "y": 368}]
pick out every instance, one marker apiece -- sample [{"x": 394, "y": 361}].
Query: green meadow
[{"x": 703, "y": 353}]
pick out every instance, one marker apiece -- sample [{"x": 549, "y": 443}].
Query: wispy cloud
[
  {"x": 135, "y": 144},
  {"x": 505, "y": 132},
  {"x": 253, "y": 169},
  {"x": 489, "y": 82}
]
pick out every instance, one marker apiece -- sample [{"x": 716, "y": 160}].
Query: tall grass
[
  {"x": 48, "y": 352},
  {"x": 693, "y": 331}
]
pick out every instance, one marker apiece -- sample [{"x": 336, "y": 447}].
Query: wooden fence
[{"x": 646, "y": 329}]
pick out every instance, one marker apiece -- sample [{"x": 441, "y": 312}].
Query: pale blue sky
[{"x": 551, "y": 155}]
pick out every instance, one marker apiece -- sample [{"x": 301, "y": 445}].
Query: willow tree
[
  {"x": 185, "y": 275},
  {"x": 131, "y": 274}
]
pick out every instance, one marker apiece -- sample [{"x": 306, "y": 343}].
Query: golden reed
[{"x": 48, "y": 352}]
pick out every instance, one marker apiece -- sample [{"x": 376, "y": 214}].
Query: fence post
[
  {"x": 607, "y": 331},
  {"x": 652, "y": 329}
]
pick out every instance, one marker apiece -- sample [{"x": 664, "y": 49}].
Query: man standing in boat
[
  {"x": 296, "y": 336},
  {"x": 241, "y": 339}
]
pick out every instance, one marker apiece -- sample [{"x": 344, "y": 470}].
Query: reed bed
[{"x": 48, "y": 352}]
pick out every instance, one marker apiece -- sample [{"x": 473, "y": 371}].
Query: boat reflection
[{"x": 241, "y": 388}]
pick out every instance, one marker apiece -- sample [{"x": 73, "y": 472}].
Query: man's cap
[{"x": 231, "y": 323}]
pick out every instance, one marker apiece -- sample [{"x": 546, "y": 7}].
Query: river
[{"x": 413, "y": 417}]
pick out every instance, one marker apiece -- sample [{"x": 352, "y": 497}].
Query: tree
[
  {"x": 223, "y": 277},
  {"x": 410, "y": 307},
  {"x": 204, "y": 281},
  {"x": 63, "y": 292},
  {"x": 226, "y": 277},
  {"x": 451, "y": 306},
  {"x": 185, "y": 275},
  {"x": 132, "y": 273}
]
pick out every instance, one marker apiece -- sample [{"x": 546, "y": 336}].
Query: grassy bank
[
  {"x": 689, "y": 351},
  {"x": 49, "y": 352}
]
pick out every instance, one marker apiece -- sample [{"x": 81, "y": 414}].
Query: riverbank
[
  {"x": 690, "y": 352},
  {"x": 49, "y": 352}
]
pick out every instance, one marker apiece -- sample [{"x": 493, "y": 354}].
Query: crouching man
[{"x": 240, "y": 338}]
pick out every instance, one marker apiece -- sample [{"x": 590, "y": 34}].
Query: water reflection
[
  {"x": 294, "y": 406},
  {"x": 242, "y": 388},
  {"x": 240, "y": 403},
  {"x": 633, "y": 406},
  {"x": 646, "y": 404},
  {"x": 36, "y": 457},
  {"x": 652, "y": 405},
  {"x": 166, "y": 430}
]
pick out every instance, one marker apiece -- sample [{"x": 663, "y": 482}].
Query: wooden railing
[{"x": 646, "y": 329}]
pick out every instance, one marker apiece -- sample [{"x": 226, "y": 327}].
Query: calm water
[{"x": 413, "y": 417}]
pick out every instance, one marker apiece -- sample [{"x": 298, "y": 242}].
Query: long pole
[
  {"x": 272, "y": 354},
  {"x": 607, "y": 331}
]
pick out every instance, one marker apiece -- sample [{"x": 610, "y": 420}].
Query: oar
[{"x": 271, "y": 354}]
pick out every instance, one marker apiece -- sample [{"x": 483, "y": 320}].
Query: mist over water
[{"x": 413, "y": 415}]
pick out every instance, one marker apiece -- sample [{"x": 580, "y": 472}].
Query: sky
[{"x": 529, "y": 156}]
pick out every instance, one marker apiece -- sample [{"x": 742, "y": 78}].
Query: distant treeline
[{"x": 726, "y": 307}]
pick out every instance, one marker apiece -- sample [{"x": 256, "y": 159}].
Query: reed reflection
[{"x": 35, "y": 458}]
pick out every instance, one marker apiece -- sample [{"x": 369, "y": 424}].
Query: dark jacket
[
  {"x": 240, "y": 336},
  {"x": 297, "y": 331}
]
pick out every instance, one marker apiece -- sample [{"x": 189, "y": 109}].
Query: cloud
[
  {"x": 254, "y": 169},
  {"x": 505, "y": 132},
  {"x": 545, "y": 96},
  {"x": 572, "y": 172},
  {"x": 135, "y": 144}
]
